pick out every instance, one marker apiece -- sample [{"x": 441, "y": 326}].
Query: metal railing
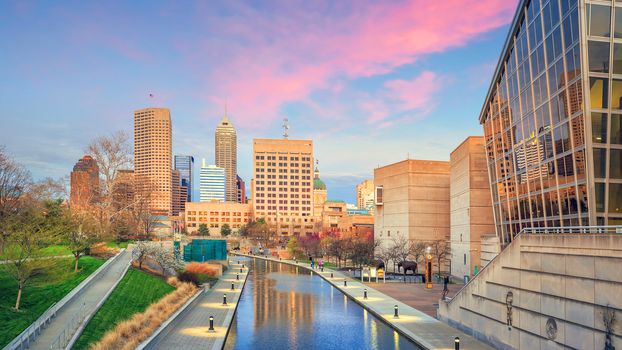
[
  {"x": 545, "y": 231},
  {"x": 24, "y": 339},
  {"x": 63, "y": 337}
]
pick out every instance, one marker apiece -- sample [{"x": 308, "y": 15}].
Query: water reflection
[{"x": 283, "y": 307}]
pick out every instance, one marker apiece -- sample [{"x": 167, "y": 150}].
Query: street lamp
[
  {"x": 457, "y": 343},
  {"x": 237, "y": 276},
  {"x": 428, "y": 267},
  {"x": 395, "y": 312},
  {"x": 365, "y": 294},
  {"x": 211, "y": 324},
  {"x": 232, "y": 286},
  {"x": 224, "y": 299},
  {"x": 345, "y": 283}
]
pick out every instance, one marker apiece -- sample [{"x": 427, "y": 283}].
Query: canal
[{"x": 287, "y": 307}]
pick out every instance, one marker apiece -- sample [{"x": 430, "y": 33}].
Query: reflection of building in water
[{"x": 272, "y": 305}]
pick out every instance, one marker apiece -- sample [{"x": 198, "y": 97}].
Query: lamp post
[
  {"x": 232, "y": 286},
  {"x": 331, "y": 275},
  {"x": 428, "y": 268},
  {"x": 224, "y": 299},
  {"x": 345, "y": 283},
  {"x": 365, "y": 294},
  {"x": 395, "y": 312},
  {"x": 211, "y": 324},
  {"x": 457, "y": 343},
  {"x": 237, "y": 276}
]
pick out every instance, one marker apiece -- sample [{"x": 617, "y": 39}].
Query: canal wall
[{"x": 423, "y": 330}]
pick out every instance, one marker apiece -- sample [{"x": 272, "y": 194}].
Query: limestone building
[
  {"x": 153, "y": 156},
  {"x": 215, "y": 215},
  {"x": 412, "y": 200},
  {"x": 319, "y": 198},
  {"x": 470, "y": 206},
  {"x": 283, "y": 184},
  {"x": 227, "y": 156}
]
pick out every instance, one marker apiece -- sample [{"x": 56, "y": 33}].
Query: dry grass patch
[{"x": 128, "y": 334}]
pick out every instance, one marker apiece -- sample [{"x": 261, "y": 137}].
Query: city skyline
[{"x": 395, "y": 94}]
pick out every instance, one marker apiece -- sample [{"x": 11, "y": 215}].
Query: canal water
[{"x": 286, "y": 307}]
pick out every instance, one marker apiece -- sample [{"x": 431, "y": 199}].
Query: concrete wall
[
  {"x": 415, "y": 201},
  {"x": 561, "y": 278},
  {"x": 470, "y": 204}
]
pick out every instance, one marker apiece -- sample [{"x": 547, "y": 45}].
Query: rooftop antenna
[{"x": 285, "y": 128}]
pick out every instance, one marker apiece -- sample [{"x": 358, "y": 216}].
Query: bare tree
[
  {"x": 418, "y": 250},
  {"x": 112, "y": 153},
  {"x": 400, "y": 246},
  {"x": 14, "y": 181},
  {"x": 440, "y": 252}
]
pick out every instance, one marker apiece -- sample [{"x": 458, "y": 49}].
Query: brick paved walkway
[
  {"x": 191, "y": 331},
  {"x": 424, "y": 330},
  {"x": 416, "y": 294}
]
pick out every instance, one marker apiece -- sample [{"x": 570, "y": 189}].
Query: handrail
[
  {"x": 23, "y": 340},
  {"x": 614, "y": 229}
]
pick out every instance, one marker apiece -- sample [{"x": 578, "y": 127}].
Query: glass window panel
[
  {"x": 615, "y": 164},
  {"x": 599, "y": 127},
  {"x": 600, "y": 162},
  {"x": 600, "y": 20},
  {"x": 617, "y": 58},
  {"x": 598, "y": 53},
  {"x": 615, "y": 198},
  {"x": 616, "y": 94},
  {"x": 616, "y": 131},
  {"x": 598, "y": 92},
  {"x": 617, "y": 27}
]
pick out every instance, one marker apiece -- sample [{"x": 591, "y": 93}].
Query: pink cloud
[{"x": 269, "y": 60}]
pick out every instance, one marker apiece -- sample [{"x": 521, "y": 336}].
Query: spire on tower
[{"x": 285, "y": 128}]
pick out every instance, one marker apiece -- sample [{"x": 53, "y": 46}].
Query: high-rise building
[
  {"x": 153, "y": 157},
  {"x": 365, "y": 195},
  {"x": 123, "y": 190},
  {"x": 185, "y": 165},
  {"x": 412, "y": 201},
  {"x": 85, "y": 184},
  {"x": 283, "y": 184},
  {"x": 226, "y": 151},
  {"x": 212, "y": 183},
  {"x": 470, "y": 206},
  {"x": 551, "y": 119},
  {"x": 241, "y": 187},
  {"x": 180, "y": 193}
]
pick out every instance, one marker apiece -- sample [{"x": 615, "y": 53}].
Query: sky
[{"x": 370, "y": 82}]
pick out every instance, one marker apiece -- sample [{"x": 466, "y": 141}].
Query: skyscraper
[
  {"x": 185, "y": 165},
  {"x": 365, "y": 195},
  {"x": 241, "y": 187},
  {"x": 227, "y": 156},
  {"x": 153, "y": 156},
  {"x": 84, "y": 183},
  {"x": 554, "y": 150},
  {"x": 283, "y": 185},
  {"x": 180, "y": 194},
  {"x": 212, "y": 183}
]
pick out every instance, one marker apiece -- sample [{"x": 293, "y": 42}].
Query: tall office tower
[
  {"x": 84, "y": 183},
  {"x": 226, "y": 151},
  {"x": 185, "y": 165},
  {"x": 180, "y": 193},
  {"x": 153, "y": 157},
  {"x": 283, "y": 185},
  {"x": 559, "y": 51},
  {"x": 365, "y": 195},
  {"x": 241, "y": 188},
  {"x": 212, "y": 183}
]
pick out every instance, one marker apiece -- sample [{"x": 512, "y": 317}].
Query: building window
[
  {"x": 379, "y": 193},
  {"x": 465, "y": 259}
]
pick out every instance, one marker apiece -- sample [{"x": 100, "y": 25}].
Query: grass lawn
[
  {"x": 136, "y": 291},
  {"x": 327, "y": 264},
  {"x": 38, "y": 296},
  {"x": 119, "y": 245},
  {"x": 53, "y": 250}
]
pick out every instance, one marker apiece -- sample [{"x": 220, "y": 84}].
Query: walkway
[
  {"x": 84, "y": 304},
  {"x": 424, "y": 330},
  {"x": 191, "y": 330},
  {"x": 416, "y": 294}
]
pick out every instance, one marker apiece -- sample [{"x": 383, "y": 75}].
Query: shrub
[
  {"x": 189, "y": 277},
  {"x": 202, "y": 268},
  {"x": 173, "y": 281}
]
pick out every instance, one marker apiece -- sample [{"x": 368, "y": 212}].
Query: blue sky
[{"x": 369, "y": 82}]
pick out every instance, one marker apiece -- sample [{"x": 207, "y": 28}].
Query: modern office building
[
  {"x": 185, "y": 165},
  {"x": 283, "y": 184},
  {"x": 552, "y": 118},
  {"x": 226, "y": 151},
  {"x": 180, "y": 194},
  {"x": 215, "y": 215},
  {"x": 241, "y": 188},
  {"x": 365, "y": 195},
  {"x": 212, "y": 183},
  {"x": 470, "y": 206},
  {"x": 85, "y": 185},
  {"x": 153, "y": 156},
  {"x": 412, "y": 201}
]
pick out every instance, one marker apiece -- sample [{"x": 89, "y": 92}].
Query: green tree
[
  {"x": 225, "y": 230},
  {"x": 203, "y": 230},
  {"x": 81, "y": 234},
  {"x": 293, "y": 247}
]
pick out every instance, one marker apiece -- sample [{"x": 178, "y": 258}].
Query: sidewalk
[
  {"x": 422, "y": 329},
  {"x": 81, "y": 305},
  {"x": 191, "y": 330}
]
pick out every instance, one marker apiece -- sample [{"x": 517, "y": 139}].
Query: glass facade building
[
  {"x": 552, "y": 118},
  {"x": 212, "y": 183},
  {"x": 185, "y": 164}
]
